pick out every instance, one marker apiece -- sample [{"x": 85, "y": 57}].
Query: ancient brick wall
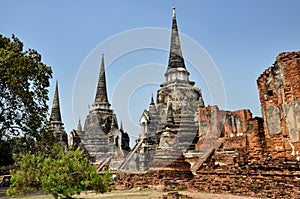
[
  {"x": 258, "y": 157},
  {"x": 279, "y": 92},
  {"x": 272, "y": 180},
  {"x": 211, "y": 121},
  {"x": 236, "y": 122},
  {"x": 164, "y": 180},
  {"x": 255, "y": 140},
  {"x": 237, "y": 129},
  {"x": 227, "y": 138},
  {"x": 219, "y": 123},
  {"x": 263, "y": 179}
]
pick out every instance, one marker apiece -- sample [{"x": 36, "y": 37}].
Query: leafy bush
[{"x": 59, "y": 173}]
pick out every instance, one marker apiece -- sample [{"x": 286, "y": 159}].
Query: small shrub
[{"x": 60, "y": 173}]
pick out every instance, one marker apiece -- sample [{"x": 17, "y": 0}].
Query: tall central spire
[
  {"x": 175, "y": 59},
  {"x": 101, "y": 100},
  {"x": 176, "y": 67}
]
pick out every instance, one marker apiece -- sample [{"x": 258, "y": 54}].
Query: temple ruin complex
[{"x": 185, "y": 145}]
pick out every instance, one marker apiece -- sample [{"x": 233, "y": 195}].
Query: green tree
[
  {"x": 59, "y": 173},
  {"x": 6, "y": 156},
  {"x": 24, "y": 82}
]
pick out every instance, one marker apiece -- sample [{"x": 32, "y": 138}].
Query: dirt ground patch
[
  {"x": 130, "y": 194},
  {"x": 202, "y": 195},
  {"x": 152, "y": 194},
  {"x": 35, "y": 195}
]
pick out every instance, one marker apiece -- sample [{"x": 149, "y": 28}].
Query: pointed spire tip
[
  {"x": 121, "y": 127},
  {"x": 101, "y": 93},
  {"x": 152, "y": 100},
  {"x": 176, "y": 59},
  {"x": 79, "y": 127},
  {"x": 174, "y": 11}
]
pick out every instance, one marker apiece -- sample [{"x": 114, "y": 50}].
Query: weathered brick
[{"x": 279, "y": 91}]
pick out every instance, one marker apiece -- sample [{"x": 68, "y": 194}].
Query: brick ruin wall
[
  {"x": 259, "y": 156},
  {"x": 240, "y": 165},
  {"x": 237, "y": 129},
  {"x": 215, "y": 123},
  {"x": 163, "y": 180},
  {"x": 271, "y": 180},
  {"x": 279, "y": 92}
]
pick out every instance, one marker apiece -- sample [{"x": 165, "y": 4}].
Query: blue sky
[{"x": 242, "y": 37}]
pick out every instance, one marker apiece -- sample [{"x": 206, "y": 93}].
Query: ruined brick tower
[
  {"x": 101, "y": 136},
  {"x": 178, "y": 96},
  {"x": 279, "y": 91},
  {"x": 56, "y": 124}
]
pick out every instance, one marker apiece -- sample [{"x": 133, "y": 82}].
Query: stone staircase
[
  {"x": 215, "y": 145},
  {"x": 129, "y": 156},
  {"x": 104, "y": 163}
]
